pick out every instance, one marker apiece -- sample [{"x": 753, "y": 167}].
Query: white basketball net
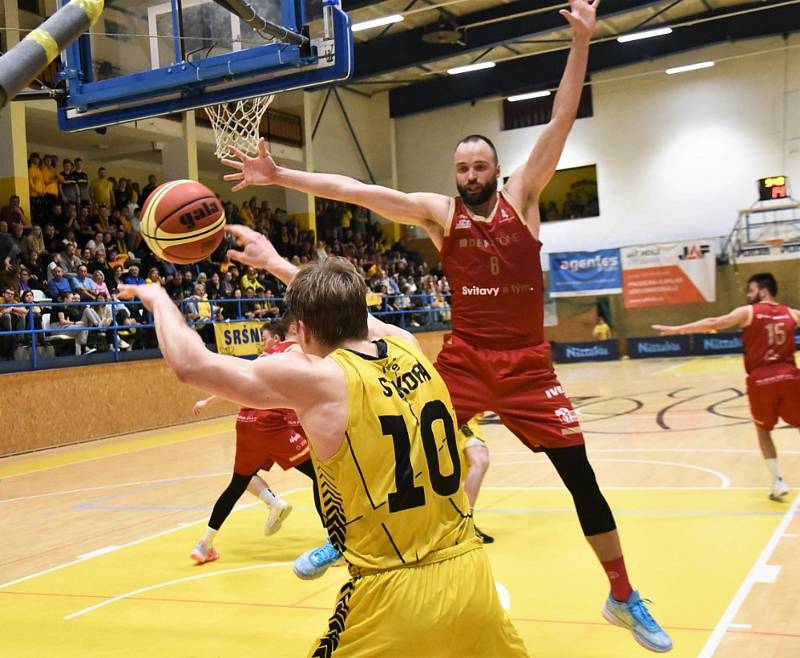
[{"x": 238, "y": 124}]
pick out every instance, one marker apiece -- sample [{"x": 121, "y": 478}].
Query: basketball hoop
[{"x": 238, "y": 124}]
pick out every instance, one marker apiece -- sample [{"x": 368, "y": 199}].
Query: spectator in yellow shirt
[
  {"x": 101, "y": 189},
  {"x": 50, "y": 177},
  {"x": 247, "y": 213},
  {"x": 601, "y": 330},
  {"x": 250, "y": 280}
]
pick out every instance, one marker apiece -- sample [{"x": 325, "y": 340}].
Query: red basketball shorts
[
  {"x": 520, "y": 386},
  {"x": 260, "y": 445},
  {"x": 770, "y": 401}
]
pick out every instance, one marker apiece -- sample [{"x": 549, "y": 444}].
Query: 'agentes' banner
[{"x": 577, "y": 273}]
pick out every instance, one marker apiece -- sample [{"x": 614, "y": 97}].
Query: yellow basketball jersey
[{"x": 393, "y": 492}]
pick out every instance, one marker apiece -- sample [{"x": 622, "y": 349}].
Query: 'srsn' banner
[
  {"x": 668, "y": 274},
  {"x": 239, "y": 338},
  {"x": 577, "y": 273}
]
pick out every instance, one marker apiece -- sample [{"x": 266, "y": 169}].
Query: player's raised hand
[
  {"x": 148, "y": 294},
  {"x": 582, "y": 17},
  {"x": 256, "y": 249},
  {"x": 258, "y": 170},
  {"x": 665, "y": 330}
]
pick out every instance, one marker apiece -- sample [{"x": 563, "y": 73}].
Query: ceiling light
[
  {"x": 661, "y": 31},
  {"x": 525, "y": 97},
  {"x": 470, "y": 67},
  {"x": 376, "y": 22},
  {"x": 689, "y": 67}
]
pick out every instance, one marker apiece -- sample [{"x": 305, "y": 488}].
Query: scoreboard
[{"x": 774, "y": 187}]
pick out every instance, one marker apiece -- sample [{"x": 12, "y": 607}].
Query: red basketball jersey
[
  {"x": 270, "y": 418},
  {"x": 769, "y": 344},
  {"x": 495, "y": 274}
]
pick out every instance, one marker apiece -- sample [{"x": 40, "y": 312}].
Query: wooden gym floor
[{"x": 97, "y": 536}]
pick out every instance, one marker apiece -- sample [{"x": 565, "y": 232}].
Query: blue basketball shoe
[
  {"x": 315, "y": 562},
  {"x": 635, "y": 616}
]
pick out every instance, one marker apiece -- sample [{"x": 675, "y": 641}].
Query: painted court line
[
  {"x": 767, "y": 573},
  {"x": 682, "y": 450},
  {"x": 116, "y": 485},
  {"x": 740, "y": 626},
  {"x": 180, "y": 526},
  {"x": 150, "y": 588},
  {"x": 166, "y": 436},
  {"x": 725, "y": 481},
  {"x": 557, "y": 487},
  {"x": 744, "y": 590},
  {"x": 98, "y": 552}
]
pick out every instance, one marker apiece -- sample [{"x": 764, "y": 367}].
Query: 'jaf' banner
[
  {"x": 578, "y": 273},
  {"x": 239, "y": 338},
  {"x": 665, "y": 274}
]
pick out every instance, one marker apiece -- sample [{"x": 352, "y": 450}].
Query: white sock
[
  {"x": 208, "y": 538},
  {"x": 772, "y": 465},
  {"x": 268, "y": 497}
]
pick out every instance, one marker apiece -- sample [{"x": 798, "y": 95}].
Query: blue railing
[{"x": 127, "y": 332}]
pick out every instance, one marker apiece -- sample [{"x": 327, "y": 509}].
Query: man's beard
[{"x": 480, "y": 196}]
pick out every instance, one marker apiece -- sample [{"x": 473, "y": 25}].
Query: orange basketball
[{"x": 182, "y": 221}]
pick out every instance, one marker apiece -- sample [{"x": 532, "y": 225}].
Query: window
[
  {"x": 537, "y": 111},
  {"x": 570, "y": 194}
]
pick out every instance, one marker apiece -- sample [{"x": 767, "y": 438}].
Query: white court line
[
  {"x": 740, "y": 626},
  {"x": 117, "y": 454},
  {"x": 725, "y": 481},
  {"x": 116, "y": 485},
  {"x": 689, "y": 450},
  {"x": 561, "y": 487},
  {"x": 167, "y": 583},
  {"x": 744, "y": 590},
  {"x": 98, "y": 552},
  {"x": 132, "y": 543},
  {"x": 767, "y": 573}
]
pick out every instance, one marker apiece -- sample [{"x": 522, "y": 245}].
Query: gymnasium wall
[
  {"x": 59, "y": 407},
  {"x": 677, "y": 156},
  {"x": 335, "y": 150}
]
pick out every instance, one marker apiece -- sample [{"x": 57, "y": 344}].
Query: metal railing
[{"x": 126, "y": 330}]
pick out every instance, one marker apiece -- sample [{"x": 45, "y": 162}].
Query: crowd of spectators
[{"x": 83, "y": 240}]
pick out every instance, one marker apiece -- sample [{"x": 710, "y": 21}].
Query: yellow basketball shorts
[{"x": 446, "y": 609}]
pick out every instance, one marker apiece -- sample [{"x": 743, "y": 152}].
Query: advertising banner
[
  {"x": 667, "y": 274},
  {"x": 598, "y": 350},
  {"x": 239, "y": 338},
  {"x": 654, "y": 347},
  {"x": 577, "y": 273},
  {"x": 706, "y": 344}
]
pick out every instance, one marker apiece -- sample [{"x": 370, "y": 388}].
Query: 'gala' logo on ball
[{"x": 190, "y": 219}]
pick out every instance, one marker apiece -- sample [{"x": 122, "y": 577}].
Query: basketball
[{"x": 182, "y": 222}]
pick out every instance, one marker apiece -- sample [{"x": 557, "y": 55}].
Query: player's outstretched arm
[
  {"x": 738, "y": 317},
  {"x": 526, "y": 183},
  {"x": 258, "y": 251},
  {"x": 255, "y": 249},
  {"x": 283, "y": 380},
  {"x": 420, "y": 209}
]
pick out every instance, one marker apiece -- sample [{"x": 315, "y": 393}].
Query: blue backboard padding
[{"x": 190, "y": 85}]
